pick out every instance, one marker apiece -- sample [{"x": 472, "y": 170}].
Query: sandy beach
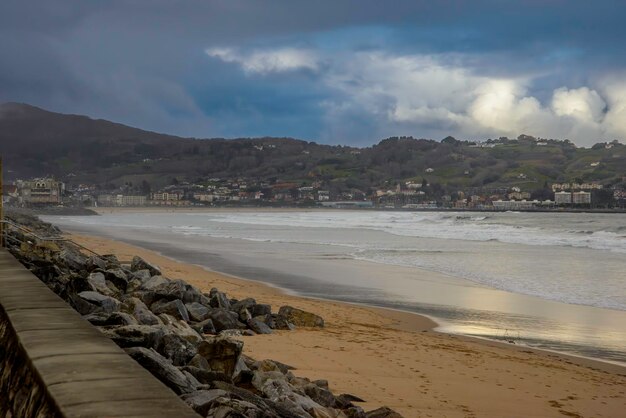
[{"x": 394, "y": 358}]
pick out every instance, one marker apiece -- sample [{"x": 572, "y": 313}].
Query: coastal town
[{"x": 408, "y": 195}]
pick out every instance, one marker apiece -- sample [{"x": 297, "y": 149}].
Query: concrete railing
[{"x": 55, "y": 364}]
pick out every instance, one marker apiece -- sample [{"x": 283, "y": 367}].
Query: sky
[{"x": 335, "y": 72}]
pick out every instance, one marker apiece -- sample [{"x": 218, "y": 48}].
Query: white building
[
  {"x": 563, "y": 198},
  {"x": 581, "y": 198}
]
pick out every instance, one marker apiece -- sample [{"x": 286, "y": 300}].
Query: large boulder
[
  {"x": 118, "y": 277},
  {"x": 383, "y": 412},
  {"x": 176, "y": 348},
  {"x": 218, "y": 299},
  {"x": 72, "y": 259},
  {"x": 224, "y": 319},
  {"x": 139, "y": 263},
  {"x": 221, "y": 353},
  {"x": 136, "y": 335},
  {"x": 89, "y": 302},
  {"x": 154, "y": 282},
  {"x": 99, "y": 284},
  {"x": 140, "y": 311},
  {"x": 175, "y": 308},
  {"x": 94, "y": 262},
  {"x": 173, "y": 289},
  {"x": 162, "y": 369},
  {"x": 259, "y": 326},
  {"x": 197, "y": 311},
  {"x": 275, "y": 321},
  {"x": 301, "y": 318},
  {"x": 115, "y": 318},
  {"x": 225, "y": 406},
  {"x": 204, "y": 327},
  {"x": 180, "y": 328},
  {"x": 275, "y": 387},
  {"x": 201, "y": 400}
]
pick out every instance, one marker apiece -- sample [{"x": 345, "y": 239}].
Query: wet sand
[{"x": 394, "y": 358}]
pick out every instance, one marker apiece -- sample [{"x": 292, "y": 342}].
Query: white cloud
[
  {"x": 426, "y": 94},
  {"x": 268, "y": 61},
  {"x": 582, "y": 103}
]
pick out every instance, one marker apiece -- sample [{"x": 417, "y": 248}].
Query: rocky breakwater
[{"x": 184, "y": 336}]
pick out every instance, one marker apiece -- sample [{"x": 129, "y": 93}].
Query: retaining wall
[{"x": 55, "y": 364}]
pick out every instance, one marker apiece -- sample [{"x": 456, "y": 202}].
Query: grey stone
[
  {"x": 73, "y": 259},
  {"x": 260, "y": 310},
  {"x": 135, "y": 335},
  {"x": 218, "y": 299},
  {"x": 204, "y": 327},
  {"x": 172, "y": 290},
  {"x": 180, "y": 328},
  {"x": 221, "y": 353},
  {"x": 115, "y": 318},
  {"x": 201, "y": 400},
  {"x": 246, "y": 303},
  {"x": 98, "y": 302},
  {"x": 154, "y": 282},
  {"x": 225, "y": 319},
  {"x": 259, "y": 327},
  {"x": 174, "y": 308},
  {"x": 139, "y": 263},
  {"x": 197, "y": 311},
  {"x": 383, "y": 412},
  {"x": 163, "y": 370},
  {"x": 299, "y": 317},
  {"x": 275, "y": 321},
  {"x": 207, "y": 377},
  {"x": 176, "y": 348},
  {"x": 118, "y": 277},
  {"x": 199, "y": 362},
  {"x": 140, "y": 311}
]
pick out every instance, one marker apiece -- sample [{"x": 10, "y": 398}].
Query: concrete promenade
[{"x": 54, "y": 363}]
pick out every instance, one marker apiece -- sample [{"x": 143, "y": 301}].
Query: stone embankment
[{"x": 183, "y": 336}]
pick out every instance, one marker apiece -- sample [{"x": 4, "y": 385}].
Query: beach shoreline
[{"x": 395, "y": 358}]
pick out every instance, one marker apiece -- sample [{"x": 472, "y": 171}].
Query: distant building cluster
[{"x": 240, "y": 191}]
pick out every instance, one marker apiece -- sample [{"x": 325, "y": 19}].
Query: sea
[{"x": 554, "y": 281}]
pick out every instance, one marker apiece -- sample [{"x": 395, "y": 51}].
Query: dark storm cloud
[{"x": 303, "y": 69}]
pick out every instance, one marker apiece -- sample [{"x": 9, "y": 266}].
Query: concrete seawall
[{"x": 55, "y": 364}]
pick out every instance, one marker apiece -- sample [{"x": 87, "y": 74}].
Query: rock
[
  {"x": 192, "y": 295},
  {"x": 347, "y": 399},
  {"x": 72, "y": 259},
  {"x": 180, "y": 328},
  {"x": 383, "y": 412},
  {"x": 218, "y": 299},
  {"x": 99, "y": 284},
  {"x": 154, "y": 282},
  {"x": 224, "y": 406},
  {"x": 135, "y": 335},
  {"x": 276, "y": 388},
  {"x": 199, "y": 362},
  {"x": 246, "y": 303},
  {"x": 354, "y": 412},
  {"x": 118, "y": 277},
  {"x": 204, "y": 327},
  {"x": 89, "y": 302},
  {"x": 301, "y": 318},
  {"x": 140, "y": 311},
  {"x": 115, "y": 318},
  {"x": 242, "y": 374},
  {"x": 111, "y": 261},
  {"x": 259, "y": 327},
  {"x": 260, "y": 310},
  {"x": 323, "y": 397},
  {"x": 244, "y": 315},
  {"x": 176, "y": 348},
  {"x": 225, "y": 319},
  {"x": 278, "y": 322},
  {"x": 201, "y": 400},
  {"x": 94, "y": 262},
  {"x": 207, "y": 377},
  {"x": 323, "y": 383},
  {"x": 231, "y": 333},
  {"x": 326, "y": 413},
  {"x": 174, "y": 308},
  {"x": 221, "y": 353},
  {"x": 271, "y": 365},
  {"x": 163, "y": 370},
  {"x": 139, "y": 263},
  {"x": 172, "y": 290},
  {"x": 197, "y": 311}
]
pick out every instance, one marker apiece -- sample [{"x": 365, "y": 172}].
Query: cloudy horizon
[{"x": 348, "y": 72}]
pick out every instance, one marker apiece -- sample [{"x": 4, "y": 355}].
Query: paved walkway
[{"x": 85, "y": 373}]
